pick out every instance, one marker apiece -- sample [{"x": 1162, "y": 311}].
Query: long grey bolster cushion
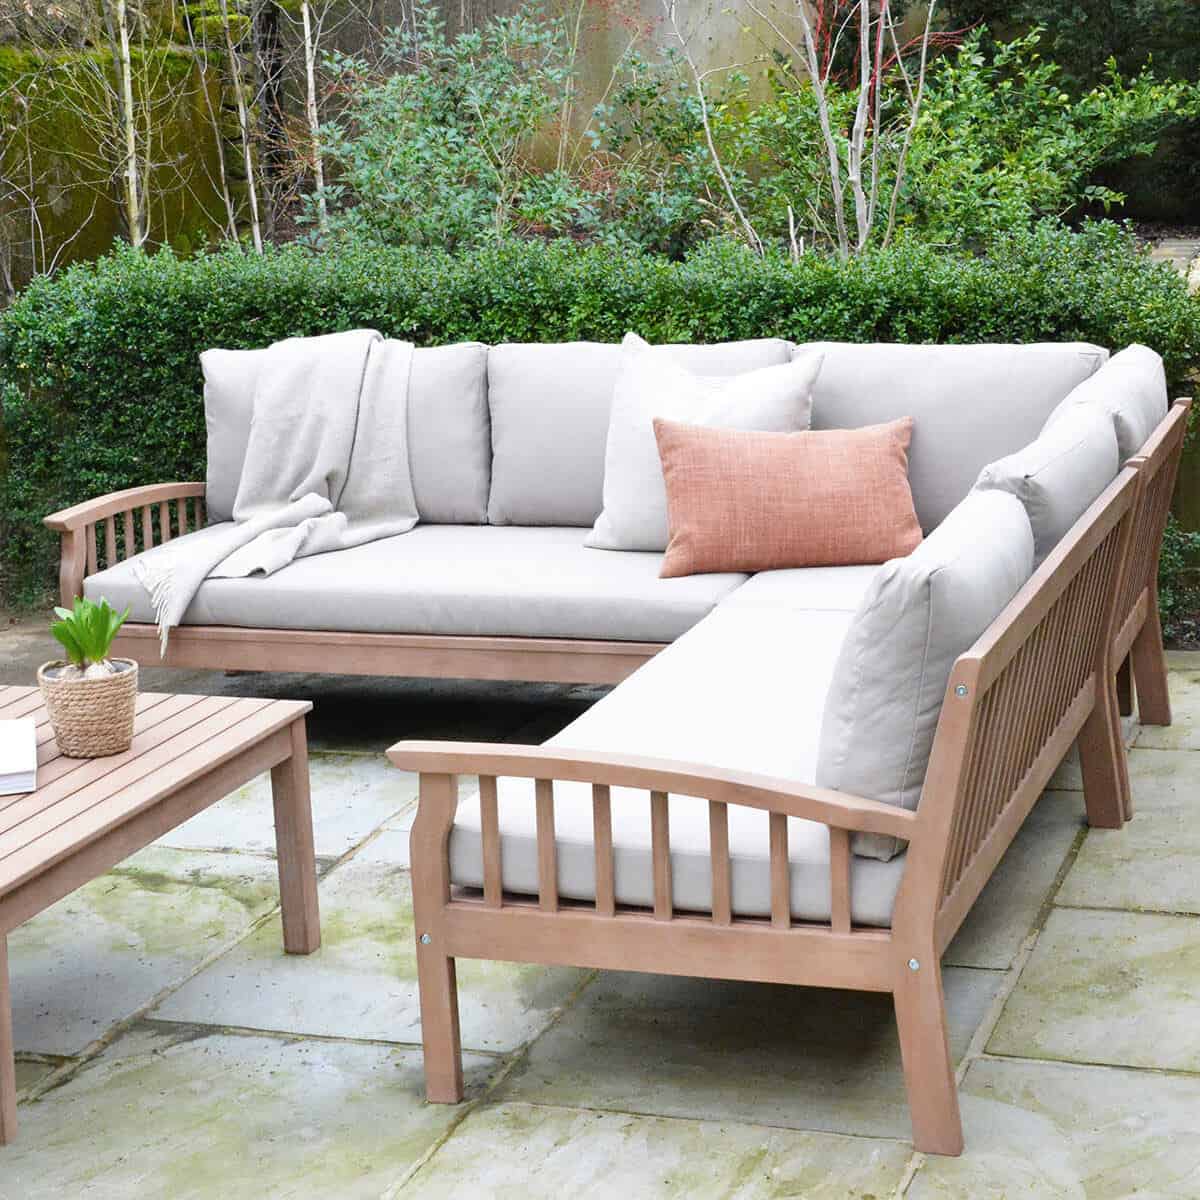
[
  {"x": 1132, "y": 389},
  {"x": 550, "y": 408},
  {"x": 919, "y": 615},
  {"x": 449, "y": 442},
  {"x": 1060, "y": 474},
  {"x": 970, "y": 404}
]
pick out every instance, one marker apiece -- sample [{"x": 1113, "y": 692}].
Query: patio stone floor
[{"x": 169, "y": 1049}]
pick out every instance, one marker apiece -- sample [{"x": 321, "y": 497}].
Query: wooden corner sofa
[{"x": 696, "y": 820}]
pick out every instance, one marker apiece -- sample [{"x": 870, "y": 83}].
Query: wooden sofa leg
[
  {"x": 1125, "y": 688},
  {"x": 925, "y": 1052},
  {"x": 1102, "y": 759},
  {"x": 439, "y": 1026},
  {"x": 1150, "y": 672}
]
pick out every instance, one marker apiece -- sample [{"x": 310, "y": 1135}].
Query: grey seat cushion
[
  {"x": 971, "y": 404},
  {"x": 1059, "y": 474},
  {"x": 451, "y": 579},
  {"x": 918, "y": 616},
  {"x": 449, "y": 442},
  {"x": 550, "y": 411},
  {"x": 742, "y": 690},
  {"x": 1132, "y": 389},
  {"x": 804, "y": 589}
]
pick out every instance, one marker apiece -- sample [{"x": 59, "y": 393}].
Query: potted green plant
[{"x": 90, "y": 697}]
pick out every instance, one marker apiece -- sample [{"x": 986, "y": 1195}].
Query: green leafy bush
[{"x": 101, "y": 384}]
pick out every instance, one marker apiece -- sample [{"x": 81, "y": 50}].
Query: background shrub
[{"x": 101, "y": 384}]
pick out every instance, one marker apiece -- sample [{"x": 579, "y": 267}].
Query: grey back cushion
[
  {"x": 1132, "y": 389},
  {"x": 919, "y": 614},
  {"x": 970, "y": 404},
  {"x": 449, "y": 443},
  {"x": 549, "y": 412},
  {"x": 1059, "y": 475}
]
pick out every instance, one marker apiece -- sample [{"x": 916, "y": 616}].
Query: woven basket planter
[{"x": 91, "y": 718}]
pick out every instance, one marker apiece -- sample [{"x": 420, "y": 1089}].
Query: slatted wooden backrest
[
  {"x": 1015, "y": 703},
  {"x": 1158, "y": 465}
]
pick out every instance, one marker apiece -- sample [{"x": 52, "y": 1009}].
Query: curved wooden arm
[
  {"x": 91, "y": 511},
  {"x": 836, "y": 809}
]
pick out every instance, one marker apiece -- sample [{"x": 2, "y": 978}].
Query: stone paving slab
[
  {"x": 192, "y": 1115},
  {"x": 535, "y": 1153},
  {"x": 798, "y": 1058},
  {"x": 103, "y": 952},
  {"x": 1009, "y": 904},
  {"x": 1153, "y": 864},
  {"x": 362, "y": 983},
  {"x": 1184, "y": 731},
  {"x": 1108, "y": 987},
  {"x": 29, "y": 1073},
  {"x": 1042, "y": 1131},
  {"x": 352, "y": 795}
]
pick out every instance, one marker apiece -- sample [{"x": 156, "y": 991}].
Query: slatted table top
[{"x": 176, "y": 740}]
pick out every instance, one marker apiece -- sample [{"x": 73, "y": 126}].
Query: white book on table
[{"x": 18, "y": 756}]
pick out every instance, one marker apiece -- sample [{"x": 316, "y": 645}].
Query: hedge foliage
[{"x": 101, "y": 384}]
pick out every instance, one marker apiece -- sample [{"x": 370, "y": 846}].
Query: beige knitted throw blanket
[{"x": 326, "y": 468}]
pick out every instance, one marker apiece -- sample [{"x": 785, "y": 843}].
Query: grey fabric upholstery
[
  {"x": 803, "y": 589},
  {"x": 743, "y": 690},
  {"x": 971, "y": 404},
  {"x": 918, "y": 616},
  {"x": 1059, "y": 475},
  {"x": 449, "y": 440},
  {"x": 1132, "y": 389},
  {"x": 449, "y": 579},
  {"x": 549, "y": 413}
]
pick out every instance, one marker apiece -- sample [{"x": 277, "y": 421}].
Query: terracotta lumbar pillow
[{"x": 740, "y": 500}]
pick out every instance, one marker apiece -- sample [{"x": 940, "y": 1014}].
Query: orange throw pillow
[{"x": 749, "y": 501}]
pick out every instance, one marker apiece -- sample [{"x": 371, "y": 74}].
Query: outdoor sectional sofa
[{"x": 804, "y": 776}]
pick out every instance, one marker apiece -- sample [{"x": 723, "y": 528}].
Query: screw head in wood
[
  {"x": 425, "y": 939},
  {"x": 961, "y": 690},
  {"x": 913, "y": 964}
]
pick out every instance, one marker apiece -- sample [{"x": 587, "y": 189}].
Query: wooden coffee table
[{"x": 88, "y": 814}]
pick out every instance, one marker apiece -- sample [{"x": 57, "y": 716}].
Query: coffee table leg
[
  {"x": 294, "y": 848},
  {"x": 8, "y": 1066}
]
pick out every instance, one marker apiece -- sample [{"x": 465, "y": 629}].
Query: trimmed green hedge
[{"x": 101, "y": 386}]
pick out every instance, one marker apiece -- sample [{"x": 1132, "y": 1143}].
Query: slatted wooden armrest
[
  {"x": 91, "y": 511},
  {"x": 781, "y": 796},
  {"x": 92, "y": 536}
]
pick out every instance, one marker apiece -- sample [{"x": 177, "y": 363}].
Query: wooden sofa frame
[
  {"x": 1039, "y": 679},
  {"x": 1051, "y": 670}
]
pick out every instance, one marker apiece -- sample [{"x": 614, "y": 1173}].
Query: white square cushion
[
  {"x": 970, "y": 404},
  {"x": 1132, "y": 389},
  {"x": 549, "y": 414},
  {"x": 743, "y": 690},
  {"x": 805, "y": 589},
  {"x": 775, "y": 399},
  {"x": 1058, "y": 475},
  {"x": 920, "y": 613},
  {"x": 449, "y": 444}
]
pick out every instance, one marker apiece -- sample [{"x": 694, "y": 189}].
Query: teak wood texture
[
  {"x": 89, "y": 814},
  {"x": 1042, "y": 677}
]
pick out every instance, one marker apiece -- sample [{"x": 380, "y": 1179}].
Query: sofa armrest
[
  {"x": 90, "y": 511},
  {"x": 783, "y": 796},
  {"x": 104, "y": 530},
  {"x": 439, "y": 763}
]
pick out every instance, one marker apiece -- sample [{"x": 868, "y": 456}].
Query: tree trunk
[{"x": 314, "y": 120}]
